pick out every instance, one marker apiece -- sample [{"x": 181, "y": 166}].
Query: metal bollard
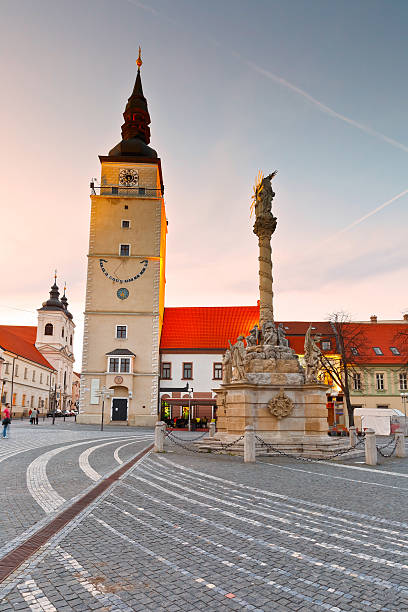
[
  {"x": 159, "y": 437},
  {"x": 370, "y": 447},
  {"x": 353, "y": 436},
  {"x": 400, "y": 447},
  {"x": 249, "y": 445},
  {"x": 211, "y": 430}
]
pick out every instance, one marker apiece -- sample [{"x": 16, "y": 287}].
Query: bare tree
[{"x": 351, "y": 347}]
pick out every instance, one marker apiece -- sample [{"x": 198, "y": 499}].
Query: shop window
[
  {"x": 14, "y": 399},
  {"x": 217, "y": 371},
  {"x": 23, "y": 400},
  {"x": 166, "y": 370}
]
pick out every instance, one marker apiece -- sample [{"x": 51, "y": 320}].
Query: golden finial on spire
[
  {"x": 55, "y": 276},
  {"x": 139, "y": 59}
]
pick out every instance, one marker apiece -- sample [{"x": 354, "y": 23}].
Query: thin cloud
[{"x": 324, "y": 108}]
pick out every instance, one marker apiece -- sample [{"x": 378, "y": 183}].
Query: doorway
[{"x": 119, "y": 409}]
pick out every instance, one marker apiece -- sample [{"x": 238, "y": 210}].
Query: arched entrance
[{"x": 120, "y": 404}]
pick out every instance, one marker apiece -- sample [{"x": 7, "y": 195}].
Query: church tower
[
  {"x": 126, "y": 277},
  {"x": 55, "y": 339}
]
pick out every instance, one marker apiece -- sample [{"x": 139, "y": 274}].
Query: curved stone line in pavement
[
  {"x": 84, "y": 457},
  {"x": 38, "y": 484}
]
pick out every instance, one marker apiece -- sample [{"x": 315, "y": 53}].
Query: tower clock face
[{"x": 128, "y": 177}]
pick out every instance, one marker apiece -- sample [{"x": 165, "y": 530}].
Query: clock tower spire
[
  {"x": 135, "y": 130},
  {"x": 126, "y": 277}
]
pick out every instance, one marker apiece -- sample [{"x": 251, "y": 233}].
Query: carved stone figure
[
  {"x": 281, "y": 405},
  {"x": 282, "y": 340},
  {"x": 226, "y": 367},
  {"x": 238, "y": 354},
  {"x": 264, "y": 195},
  {"x": 312, "y": 356},
  {"x": 252, "y": 339},
  {"x": 269, "y": 334}
]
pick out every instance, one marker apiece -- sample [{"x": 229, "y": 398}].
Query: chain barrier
[
  {"x": 343, "y": 451},
  {"x": 392, "y": 442},
  {"x": 185, "y": 439},
  {"x": 176, "y": 440}
]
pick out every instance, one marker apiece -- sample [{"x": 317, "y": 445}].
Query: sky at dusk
[{"x": 317, "y": 89}]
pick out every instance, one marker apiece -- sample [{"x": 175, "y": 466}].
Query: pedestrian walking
[
  {"x": 6, "y": 420},
  {"x": 34, "y": 417}
]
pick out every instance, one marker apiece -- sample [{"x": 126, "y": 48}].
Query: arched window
[{"x": 49, "y": 330}]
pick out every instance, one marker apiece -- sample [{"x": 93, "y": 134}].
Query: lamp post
[
  {"x": 190, "y": 391},
  {"x": 404, "y": 397}
]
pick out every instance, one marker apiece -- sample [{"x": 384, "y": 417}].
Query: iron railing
[{"x": 118, "y": 190}]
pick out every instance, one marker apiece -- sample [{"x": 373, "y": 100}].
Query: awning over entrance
[{"x": 185, "y": 401}]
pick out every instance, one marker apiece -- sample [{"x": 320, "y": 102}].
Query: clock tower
[{"x": 126, "y": 277}]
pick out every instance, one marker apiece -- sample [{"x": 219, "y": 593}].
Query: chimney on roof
[
  {"x": 405, "y": 317},
  {"x": 373, "y": 318}
]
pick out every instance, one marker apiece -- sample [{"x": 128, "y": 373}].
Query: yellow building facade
[{"x": 126, "y": 278}]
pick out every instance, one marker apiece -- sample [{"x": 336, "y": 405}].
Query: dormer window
[
  {"x": 394, "y": 350},
  {"x": 49, "y": 329},
  {"x": 377, "y": 350}
]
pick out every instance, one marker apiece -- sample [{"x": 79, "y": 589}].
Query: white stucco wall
[{"x": 202, "y": 380}]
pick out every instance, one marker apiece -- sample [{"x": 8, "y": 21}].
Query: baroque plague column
[
  {"x": 264, "y": 384},
  {"x": 126, "y": 277}
]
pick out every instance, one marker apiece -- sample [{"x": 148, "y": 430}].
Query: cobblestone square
[{"x": 183, "y": 531}]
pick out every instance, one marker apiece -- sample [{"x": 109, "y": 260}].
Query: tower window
[
  {"x": 125, "y": 223},
  {"x": 62, "y": 333},
  {"x": 70, "y": 340},
  {"x": 124, "y": 250},
  {"x": 121, "y": 331},
  {"x": 126, "y": 206},
  {"x": 49, "y": 329}
]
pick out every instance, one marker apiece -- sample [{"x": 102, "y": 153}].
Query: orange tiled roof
[
  {"x": 206, "y": 327},
  {"x": 384, "y": 336},
  {"x": 20, "y": 339}
]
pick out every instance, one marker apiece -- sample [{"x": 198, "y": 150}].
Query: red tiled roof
[
  {"x": 206, "y": 327},
  {"x": 382, "y": 335},
  {"x": 210, "y": 327},
  {"x": 21, "y": 341}
]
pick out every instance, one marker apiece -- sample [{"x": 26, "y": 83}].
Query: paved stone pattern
[
  {"x": 185, "y": 531},
  {"x": 19, "y": 510}
]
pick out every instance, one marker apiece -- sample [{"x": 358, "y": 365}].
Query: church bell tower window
[{"x": 49, "y": 329}]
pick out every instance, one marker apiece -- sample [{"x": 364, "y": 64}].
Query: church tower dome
[{"x": 53, "y": 303}]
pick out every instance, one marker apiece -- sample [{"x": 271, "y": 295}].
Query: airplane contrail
[
  {"x": 371, "y": 213},
  {"x": 324, "y": 108}
]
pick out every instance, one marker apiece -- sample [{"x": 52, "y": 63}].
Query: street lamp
[
  {"x": 404, "y": 397},
  {"x": 104, "y": 393},
  {"x": 189, "y": 407}
]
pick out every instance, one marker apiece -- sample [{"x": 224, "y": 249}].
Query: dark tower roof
[
  {"x": 64, "y": 302},
  {"x": 54, "y": 303},
  {"x": 135, "y": 130}
]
